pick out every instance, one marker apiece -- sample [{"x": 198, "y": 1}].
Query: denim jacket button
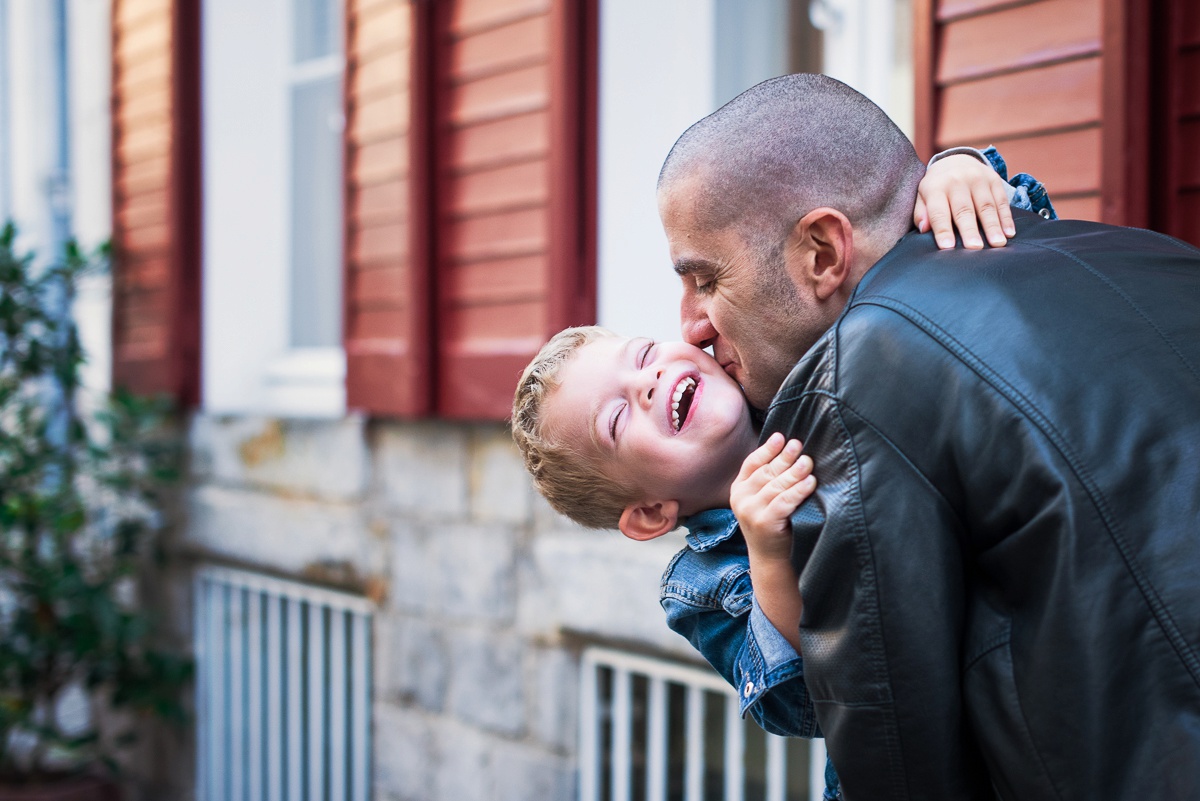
[
  {"x": 1044, "y": 214},
  {"x": 749, "y": 688}
]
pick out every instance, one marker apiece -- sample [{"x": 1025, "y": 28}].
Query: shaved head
[
  {"x": 790, "y": 145},
  {"x": 774, "y": 207}
]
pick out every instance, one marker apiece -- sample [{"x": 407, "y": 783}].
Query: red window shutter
[
  {"x": 156, "y": 197},
  {"x": 514, "y": 190},
  {"x": 387, "y": 325},
  {"x": 1028, "y": 78},
  {"x": 1175, "y": 206}
]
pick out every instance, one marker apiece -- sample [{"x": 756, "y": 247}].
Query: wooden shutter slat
[
  {"x": 1018, "y": 38},
  {"x": 476, "y": 16},
  {"x": 1068, "y": 96},
  {"x": 386, "y": 275},
  {"x": 155, "y": 191}
]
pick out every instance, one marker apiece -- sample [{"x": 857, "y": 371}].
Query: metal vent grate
[
  {"x": 283, "y": 690},
  {"x": 652, "y": 730}
]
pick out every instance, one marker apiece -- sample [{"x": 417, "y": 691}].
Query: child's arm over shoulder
[{"x": 968, "y": 189}]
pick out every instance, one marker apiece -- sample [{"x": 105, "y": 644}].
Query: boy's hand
[
  {"x": 961, "y": 191},
  {"x": 773, "y": 481}
]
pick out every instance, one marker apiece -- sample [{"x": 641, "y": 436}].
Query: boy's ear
[{"x": 645, "y": 521}]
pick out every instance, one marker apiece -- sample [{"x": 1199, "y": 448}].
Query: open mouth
[{"x": 681, "y": 401}]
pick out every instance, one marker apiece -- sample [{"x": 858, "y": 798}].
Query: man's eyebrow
[{"x": 685, "y": 267}]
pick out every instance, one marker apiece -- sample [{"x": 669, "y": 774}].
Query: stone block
[
  {"x": 421, "y": 469},
  {"x": 600, "y": 584},
  {"x": 555, "y": 713},
  {"x": 520, "y": 773},
  {"x": 456, "y": 572},
  {"x": 405, "y": 757},
  {"x": 487, "y": 681},
  {"x": 315, "y": 458},
  {"x": 282, "y": 534},
  {"x": 413, "y": 666},
  {"x": 463, "y": 764},
  {"x": 500, "y": 489}
]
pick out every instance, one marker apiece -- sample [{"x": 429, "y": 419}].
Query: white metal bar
[
  {"x": 704, "y": 678},
  {"x": 295, "y": 703},
  {"x": 254, "y": 709},
  {"x": 217, "y": 740},
  {"x": 622, "y": 724},
  {"x": 816, "y": 768},
  {"x": 735, "y": 751},
  {"x": 338, "y": 697},
  {"x": 777, "y": 768},
  {"x": 589, "y": 740},
  {"x": 237, "y": 695},
  {"x": 360, "y": 739},
  {"x": 288, "y": 589},
  {"x": 274, "y": 698},
  {"x": 316, "y": 702},
  {"x": 694, "y": 767},
  {"x": 200, "y": 651},
  {"x": 656, "y": 741}
]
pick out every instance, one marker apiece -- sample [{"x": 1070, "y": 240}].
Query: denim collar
[{"x": 708, "y": 529}]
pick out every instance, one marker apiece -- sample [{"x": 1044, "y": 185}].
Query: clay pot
[{"x": 79, "y": 788}]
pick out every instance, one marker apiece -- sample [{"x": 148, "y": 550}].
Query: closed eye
[
  {"x": 612, "y": 424},
  {"x": 645, "y": 354}
]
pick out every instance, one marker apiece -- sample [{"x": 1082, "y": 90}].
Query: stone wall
[{"x": 485, "y": 597}]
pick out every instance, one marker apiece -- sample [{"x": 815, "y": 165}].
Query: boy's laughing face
[{"x": 663, "y": 417}]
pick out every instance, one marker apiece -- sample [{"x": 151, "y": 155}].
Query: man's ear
[
  {"x": 645, "y": 521},
  {"x": 820, "y": 251}
]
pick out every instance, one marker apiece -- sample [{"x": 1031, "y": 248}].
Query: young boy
[{"x": 645, "y": 436}]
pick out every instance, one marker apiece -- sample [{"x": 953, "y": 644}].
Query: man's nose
[{"x": 695, "y": 325}]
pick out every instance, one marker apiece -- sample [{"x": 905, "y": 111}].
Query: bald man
[{"x": 1000, "y": 569}]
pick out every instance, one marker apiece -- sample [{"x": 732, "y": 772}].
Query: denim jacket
[{"x": 708, "y": 599}]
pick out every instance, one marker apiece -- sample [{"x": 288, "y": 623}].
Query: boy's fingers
[
  {"x": 762, "y": 455},
  {"x": 786, "y": 502},
  {"x": 1006, "y": 217},
  {"x": 988, "y": 211},
  {"x": 962, "y": 205},
  {"x": 920, "y": 218},
  {"x": 938, "y": 212}
]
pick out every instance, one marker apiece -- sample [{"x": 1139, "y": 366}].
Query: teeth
[{"x": 681, "y": 389}]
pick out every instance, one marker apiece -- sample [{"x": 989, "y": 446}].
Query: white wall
[{"x": 656, "y": 79}]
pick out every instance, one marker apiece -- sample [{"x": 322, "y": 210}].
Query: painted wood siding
[
  {"x": 387, "y": 326},
  {"x": 156, "y": 201},
  {"x": 515, "y": 251}
]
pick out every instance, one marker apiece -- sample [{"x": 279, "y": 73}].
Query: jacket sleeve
[
  {"x": 882, "y": 577},
  {"x": 719, "y": 617}
]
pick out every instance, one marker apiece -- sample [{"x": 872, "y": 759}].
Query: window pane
[
  {"x": 316, "y": 213},
  {"x": 760, "y": 39},
  {"x": 316, "y": 30}
]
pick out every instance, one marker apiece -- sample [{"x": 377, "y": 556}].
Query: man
[{"x": 1000, "y": 569}]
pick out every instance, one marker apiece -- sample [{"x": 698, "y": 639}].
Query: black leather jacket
[{"x": 1000, "y": 568}]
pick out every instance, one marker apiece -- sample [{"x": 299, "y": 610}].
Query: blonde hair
[{"x": 570, "y": 480}]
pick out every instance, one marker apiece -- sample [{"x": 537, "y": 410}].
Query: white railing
[
  {"x": 657, "y": 730},
  {"x": 283, "y": 690}
]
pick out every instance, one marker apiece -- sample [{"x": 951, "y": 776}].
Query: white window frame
[
  {"x": 697, "y": 682},
  {"x": 249, "y": 365}
]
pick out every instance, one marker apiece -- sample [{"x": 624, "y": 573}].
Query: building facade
[{"x": 343, "y": 226}]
